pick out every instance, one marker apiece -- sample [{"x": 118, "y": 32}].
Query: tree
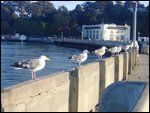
[
  {"x": 128, "y": 4},
  {"x": 5, "y": 27},
  {"x": 46, "y": 20}
]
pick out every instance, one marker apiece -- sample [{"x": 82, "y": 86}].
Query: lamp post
[
  {"x": 138, "y": 36},
  {"x": 62, "y": 35},
  {"x": 82, "y": 35},
  {"x": 134, "y": 24},
  {"x": 69, "y": 32}
]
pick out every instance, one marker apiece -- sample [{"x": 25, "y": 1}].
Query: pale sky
[
  {"x": 69, "y": 4},
  {"x": 72, "y": 4}
]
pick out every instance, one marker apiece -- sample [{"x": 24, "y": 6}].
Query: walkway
[{"x": 141, "y": 70}]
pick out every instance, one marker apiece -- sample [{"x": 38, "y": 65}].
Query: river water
[{"x": 14, "y": 51}]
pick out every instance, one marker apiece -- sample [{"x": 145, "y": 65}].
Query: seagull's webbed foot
[
  {"x": 36, "y": 79},
  {"x": 97, "y": 59}
]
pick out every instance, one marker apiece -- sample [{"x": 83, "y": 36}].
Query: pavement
[{"x": 141, "y": 70}]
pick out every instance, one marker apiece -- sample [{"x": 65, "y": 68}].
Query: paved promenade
[{"x": 141, "y": 70}]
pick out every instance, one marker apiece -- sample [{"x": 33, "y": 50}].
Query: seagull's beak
[
  {"x": 108, "y": 50},
  {"x": 47, "y": 59},
  {"x": 93, "y": 52}
]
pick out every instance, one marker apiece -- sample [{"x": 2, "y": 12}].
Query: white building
[{"x": 106, "y": 32}]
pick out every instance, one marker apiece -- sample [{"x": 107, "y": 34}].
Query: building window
[
  {"x": 122, "y": 31},
  {"x": 122, "y": 37},
  {"x": 117, "y": 31},
  {"x": 87, "y": 31},
  {"x": 111, "y": 36},
  {"x": 117, "y": 38},
  {"x": 93, "y": 34},
  {"x": 111, "y": 32},
  {"x": 97, "y": 36}
]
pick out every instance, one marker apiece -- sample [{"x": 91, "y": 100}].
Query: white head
[
  {"x": 86, "y": 51},
  {"x": 121, "y": 46},
  {"x": 43, "y": 57},
  {"x": 104, "y": 47}
]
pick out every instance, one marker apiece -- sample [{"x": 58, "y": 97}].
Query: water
[{"x": 14, "y": 51}]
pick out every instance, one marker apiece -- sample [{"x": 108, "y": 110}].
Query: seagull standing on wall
[
  {"x": 136, "y": 45},
  {"x": 100, "y": 52},
  {"x": 113, "y": 50},
  {"x": 127, "y": 48},
  {"x": 119, "y": 49},
  {"x": 33, "y": 65},
  {"x": 80, "y": 58}
]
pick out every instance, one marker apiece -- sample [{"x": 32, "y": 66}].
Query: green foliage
[{"x": 45, "y": 20}]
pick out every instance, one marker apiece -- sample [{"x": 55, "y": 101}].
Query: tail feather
[
  {"x": 17, "y": 68},
  {"x": 70, "y": 58}
]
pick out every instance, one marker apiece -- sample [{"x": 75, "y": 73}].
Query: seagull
[
  {"x": 119, "y": 49},
  {"x": 132, "y": 45},
  {"x": 127, "y": 48},
  {"x": 100, "y": 52},
  {"x": 80, "y": 57},
  {"x": 33, "y": 65},
  {"x": 113, "y": 50}
]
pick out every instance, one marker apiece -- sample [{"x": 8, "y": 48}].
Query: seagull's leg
[
  {"x": 32, "y": 74},
  {"x": 35, "y": 75},
  {"x": 101, "y": 57},
  {"x": 79, "y": 64},
  {"x": 98, "y": 57}
]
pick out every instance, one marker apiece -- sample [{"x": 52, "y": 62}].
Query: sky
[
  {"x": 72, "y": 4},
  {"x": 69, "y": 4}
]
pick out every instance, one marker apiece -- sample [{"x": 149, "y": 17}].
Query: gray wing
[
  {"x": 79, "y": 57},
  {"x": 29, "y": 64}
]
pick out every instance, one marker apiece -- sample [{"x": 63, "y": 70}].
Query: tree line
[{"x": 43, "y": 19}]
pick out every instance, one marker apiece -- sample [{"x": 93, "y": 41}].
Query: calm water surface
[{"x": 14, "y": 51}]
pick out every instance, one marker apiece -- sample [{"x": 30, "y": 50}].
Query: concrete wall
[
  {"x": 84, "y": 89},
  {"x": 125, "y": 65},
  {"x": 142, "y": 104},
  {"x": 107, "y": 72},
  {"x": 136, "y": 56},
  {"x": 126, "y": 96},
  {"x": 47, "y": 94},
  {"x": 119, "y": 67},
  {"x": 76, "y": 90},
  {"x": 130, "y": 67},
  {"x": 133, "y": 58}
]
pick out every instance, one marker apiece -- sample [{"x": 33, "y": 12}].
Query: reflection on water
[{"x": 14, "y": 51}]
